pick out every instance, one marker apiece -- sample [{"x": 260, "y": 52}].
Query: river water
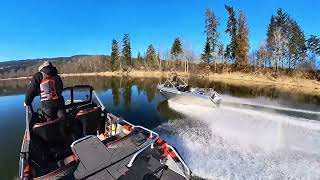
[{"x": 257, "y": 133}]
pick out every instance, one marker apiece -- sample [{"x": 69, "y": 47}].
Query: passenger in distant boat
[
  {"x": 48, "y": 84},
  {"x": 174, "y": 79}
]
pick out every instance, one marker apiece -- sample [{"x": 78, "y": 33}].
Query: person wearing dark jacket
[{"x": 48, "y": 84}]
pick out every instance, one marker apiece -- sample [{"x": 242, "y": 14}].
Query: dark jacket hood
[{"x": 50, "y": 70}]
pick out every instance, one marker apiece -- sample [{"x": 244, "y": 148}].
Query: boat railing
[
  {"x": 178, "y": 79},
  {"x": 153, "y": 135},
  {"x": 25, "y": 143},
  {"x": 98, "y": 99},
  {"x": 168, "y": 82},
  {"x": 180, "y": 158}
]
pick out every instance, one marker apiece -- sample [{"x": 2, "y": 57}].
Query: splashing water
[{"x": 233, "y": 143}]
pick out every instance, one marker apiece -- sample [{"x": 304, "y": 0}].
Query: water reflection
[
  {"x": 126, "y": 94},
  {"x": 115, "y": 87},
  {"x": 135, "y": 99},
  {"x": 122, "y": 87}
]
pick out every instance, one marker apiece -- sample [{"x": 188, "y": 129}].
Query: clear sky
[{"x": 52, "y": 28}]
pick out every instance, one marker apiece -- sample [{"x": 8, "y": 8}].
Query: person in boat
[
  {"x": 174, "y": 79},
  {"x": 48, "y": 84}
]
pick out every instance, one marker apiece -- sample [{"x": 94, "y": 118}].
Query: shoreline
[{"x": 244, "y": 79}]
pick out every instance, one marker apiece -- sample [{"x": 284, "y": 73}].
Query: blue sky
[{"x": 52, "y": 28}]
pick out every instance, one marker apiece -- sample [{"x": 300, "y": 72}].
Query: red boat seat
[
  {"x": 52, "y": 131},
  {"x": 91, "y": 120}
]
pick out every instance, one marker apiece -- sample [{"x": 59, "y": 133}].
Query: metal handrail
[
  {"x": 135, "y": 156},
  {"x": 181, "y": 160},
  {"x": 99, "y": 100},
  {"x": 168, "y": 82},
  {"x": 23, "y": 150},
  {"x": 153, "y": 135},
  {"x": 154, "y": 138}
]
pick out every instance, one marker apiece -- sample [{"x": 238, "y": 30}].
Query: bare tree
[
  {"x": 188, "y": 56},
  {"x": 280, "y": 45},
  {"x": 262, "y": 54}
]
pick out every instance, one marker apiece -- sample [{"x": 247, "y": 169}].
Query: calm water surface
[{"x": 240, "y": 138}]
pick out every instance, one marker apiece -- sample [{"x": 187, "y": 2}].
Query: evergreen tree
[
  {"x": 158, "y": 59},
  {"x": 282, "y": 21},
  {"x": 206, "y": 55},
  {"x": 270, "y": 40},
  {"x": 114, "y": 55},
  {"x": 211, "y": 30},
  {"x": 151, "y": 55},
  {"x": 243, "y": 45},
  {"x": 126, "y": 50},
  {"x": 220, "y": 53},
  {"x": 139, "y": 58},
  {"x": 176, "y": 48},
  {"x": 296, "y": 44},
  {"x": 232, "y": 30},
  {"x": 313, "y": 49},
  {"x": 278, "y": 23},
  {"x": 313, "y": 44},
  {"x": 227, "y": 54},
  {"x": 115, "y": 91}
]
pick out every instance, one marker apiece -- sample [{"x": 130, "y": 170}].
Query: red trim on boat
[{"x": 27, "y": 171}]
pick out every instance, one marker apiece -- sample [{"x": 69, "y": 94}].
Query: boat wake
[{"x": 234, "y": 143}]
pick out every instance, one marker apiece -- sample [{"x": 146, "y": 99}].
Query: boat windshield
[{"x": 77, "y": 95}]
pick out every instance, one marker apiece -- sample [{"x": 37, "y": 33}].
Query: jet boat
[
  {"x": 59, "y": 150},
  {"x": 179, "y": 91}
]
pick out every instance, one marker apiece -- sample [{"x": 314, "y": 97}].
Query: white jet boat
[{"x": 179, "y": 91}]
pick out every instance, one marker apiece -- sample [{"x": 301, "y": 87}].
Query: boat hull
[{"x": 187, "y": 98}]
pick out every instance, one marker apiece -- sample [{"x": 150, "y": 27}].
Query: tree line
[{"x": 284, "y": 49}]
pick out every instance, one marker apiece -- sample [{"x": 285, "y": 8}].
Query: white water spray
[{"x": 233, "y": 143}]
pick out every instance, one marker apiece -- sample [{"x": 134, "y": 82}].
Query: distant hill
[
  {"x": 26, "y": 62},
  {"x": 73, "y": 64}
]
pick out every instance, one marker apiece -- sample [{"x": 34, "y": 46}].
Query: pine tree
[
  {"x": 278, "y": 23},
  {"x": 282, "y": 24},
  {"x": 126, "y": 50},
  {"x": 206, "y": 55},
  {"x": 313, "y": 50},
  {"x": 158, "y": 59},
  {"x": 232, "y": 30},
  {"x": 243, "y": 45},
  {"x": 176, "y": 48},
  {"x": 313, "y": 44},
  {"x": 296, "y": 45},
  {"x": 270, "y": 41},
  {"x": 151, "y": 56},
  {"x": 211, "y": 30},
  {"x": 220, "y": 53},
  {"x": 139, "y": 58},
  {"x": 227, "y": 54},
  {"x": 114, "y": 55}
]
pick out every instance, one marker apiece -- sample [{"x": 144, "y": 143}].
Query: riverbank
[{"x": 284, "y": 83}]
